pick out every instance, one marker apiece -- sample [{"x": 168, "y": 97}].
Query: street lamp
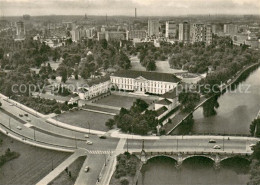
[
  {"x": 177, "y": 144},
  {"x": 75, "y": 140},
  {"x": 34, "y": 134},
  {"x": 88, "y": 128},
  {"x": 10, "y": 122}
]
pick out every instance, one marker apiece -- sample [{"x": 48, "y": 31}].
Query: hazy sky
[{"x": 126, "y": 7}]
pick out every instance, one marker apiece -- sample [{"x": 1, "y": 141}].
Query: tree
[
  {"x": 188, "y": 100},
  {"x": 254, "y": 173},
  {"x": 124, "y": 181},
  {"x": 110, "y": 123},
  {"x": 151, "y": 66},
  {"x": 139, "y": 106},
  {"x": 255, "y": 127},
  {"x": 104, "y": 43},
  {"x": 62, "y": 71}
]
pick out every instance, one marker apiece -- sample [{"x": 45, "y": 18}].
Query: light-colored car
[
  {"x": 19, "y": 128},
  {"x": 212, "y": 141},
  {"x": 216, "y": 147},
  {"x": 86, "y": 169},
  {"x": 29, "y": 120},
  {"x": 89, "y": 143},
  {"x": 86, "y": 136}
]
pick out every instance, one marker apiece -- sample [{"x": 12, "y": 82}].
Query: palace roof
[{"x": 154, "y": 76}]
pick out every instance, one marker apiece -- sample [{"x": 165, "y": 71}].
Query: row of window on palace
[{"x": 132, "y": 82}]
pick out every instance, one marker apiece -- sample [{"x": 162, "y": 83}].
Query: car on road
[
  {"x": 26, "y": 115},
  {"x": 89, "y": 143},
  {"x": 216, "y": 147},
  {"x": 86, "y": 169},
  {"x": 11, "y": 104},
  {"x": 19, "y": 128},
  {"x": 20, "y": 115},
  {"x": 86, "y": 136},
  {"x": 102, "y": 137},
  {"x": 212, "y": 141},
  {"x": 29, "y": 120}
]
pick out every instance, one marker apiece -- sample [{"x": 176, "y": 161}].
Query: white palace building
[{"x": 144, "y": 82}]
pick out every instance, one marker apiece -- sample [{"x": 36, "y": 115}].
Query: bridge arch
[
  {"x": 162, "y": 155},
  {"x": 235, "y": 157},
  {"x": 203, "y": 156}
]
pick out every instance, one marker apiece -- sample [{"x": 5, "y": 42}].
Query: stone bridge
[{"x": 179, "y": 157}]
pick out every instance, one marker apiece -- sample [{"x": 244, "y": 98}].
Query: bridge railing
[{"x": 216, "y": 134}]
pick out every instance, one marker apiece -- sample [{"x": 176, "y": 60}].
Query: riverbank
[
  {"x": 181, "y": 116},
  {"x": 127, "y": 170}
]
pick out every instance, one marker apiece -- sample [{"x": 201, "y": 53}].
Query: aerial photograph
[{"x": 129, "y": 92}]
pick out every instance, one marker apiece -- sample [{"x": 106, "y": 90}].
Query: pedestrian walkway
[
  {"x": 53, "y": 174},
  {"x": 99, "y": 152},
  {"x": 97, "y": 111},
  {"x": 104, "y": 106},
  {"x": 108, "y": 170}
]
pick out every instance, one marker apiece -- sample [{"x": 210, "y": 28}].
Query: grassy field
[
  {"x": 74, "y": 169},
  {"x": 32, "y": 164},
  {"x": 161, "y": 66},
  {"x": 81, "y": 119},
  {"x": 119, "y": 101}
]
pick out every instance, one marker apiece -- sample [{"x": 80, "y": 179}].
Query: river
[{"x": 230, "y": 113}]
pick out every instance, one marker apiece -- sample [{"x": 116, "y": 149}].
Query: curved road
[{"x": 38, "y": 131}]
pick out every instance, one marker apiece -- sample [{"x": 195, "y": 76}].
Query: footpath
[{"x": 57, "y": 171}]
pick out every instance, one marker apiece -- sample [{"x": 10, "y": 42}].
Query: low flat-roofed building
[{"x": 137, "y": 34}]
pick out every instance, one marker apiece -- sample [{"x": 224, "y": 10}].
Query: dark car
[
  {"x": 102, "y": 137},
  {"x": 26, "y": 115}
]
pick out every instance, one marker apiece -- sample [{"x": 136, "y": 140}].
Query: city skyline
[{"x": 116, "y": 7}]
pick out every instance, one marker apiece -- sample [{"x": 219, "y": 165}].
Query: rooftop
[
  {"x": 161, "y": 110},
  {"x": 98, "y": 80},
  {"x": 166, "y": 77},
  {"x": 164, "y": 102}
]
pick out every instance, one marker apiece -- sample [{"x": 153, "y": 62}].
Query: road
[{"x": 40, "y": 132}]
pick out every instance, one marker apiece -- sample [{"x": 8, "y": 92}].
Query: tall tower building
[
  {"x": 20, "y": 30},
  {"x": 171, "y": 30},
  {"x": 184, "y": 32},
  {"x": 197, "y": 33},
  {"x": 135, "y": 13},
  {"x": 208, "y": 34},
  {"x": 201, "y": 33},
  {"x": 153, "y": 28}
]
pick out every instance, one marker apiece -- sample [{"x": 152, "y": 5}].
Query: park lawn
[
  {"x": 81, "y": 118},
  {"x": 161, "y": 66},
  {"x": 31, "y": 166},
  {"x": 119, "y": 101}
]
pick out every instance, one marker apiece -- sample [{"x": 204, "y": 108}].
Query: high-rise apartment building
[
  {"x": 184, "y": 32},
  {"x": 197, "y": 33},
  {"x": 153, "y": 28},
  {"x": 208, "y": 34},
  {"x": 201, "y": 33},
  {"x": 20, "y": 30},
  {"x": 230, "y": 29},
  {"x": 171, "y": 30},
  {"x": 75, "y": 35}
]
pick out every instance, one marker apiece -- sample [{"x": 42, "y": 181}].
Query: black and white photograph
[{"x": 129, "y": 92}]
